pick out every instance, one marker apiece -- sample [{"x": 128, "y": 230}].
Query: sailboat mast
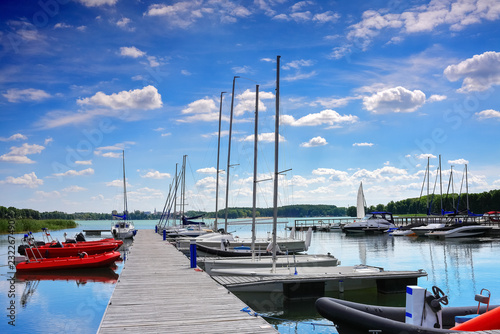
[
  {"x": 217, "y": 174},
  {"x": 125, "y": 208},
  {"x": 229, "y": 154},
  {"x": 428, "y": 178},
  {"x": 441, "y": 184},
  {"x": 183, "y": 184},
  {"x": 467, "y": 188},
  {"x": 256, "y": 140},
  {"x": 175, "y": 193},
  {"x": 276, "y": 171}
]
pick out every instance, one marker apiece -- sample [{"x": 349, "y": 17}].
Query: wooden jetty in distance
[{"x": 158, "y": 292}]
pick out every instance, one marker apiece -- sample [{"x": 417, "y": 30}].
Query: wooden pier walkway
[{"x": 158, "y": 292}]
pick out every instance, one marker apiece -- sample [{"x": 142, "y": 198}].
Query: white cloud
[
  {"x": 363, "y": 144},
  {"x": 314, "y": 142},
  {"x": 267, "y": 137},
  {"x": 458, "y": 162},
  {"x": 208, "y": 170},
  {"x": 72, "y": 172},
  {"x": 19, "y": 154},
  {"x": 328, "y": 117},
  {"x": 29, "y": 94},
  {"x": 487, "y": 114},
  {"x": 146, "y": 98},
  {"x": 131, "y": 51},
  {"x": 398, "y": 99},
  {"x": 48, "y": 141},
  {"x": 479, "y": 72},
  {"x": 436, "y": 98},
  {"x": 156, "y": 175},
  {"x": 246, "y": 102},
  {"x": 16, "y": 136},
  {"x": 28, "y": 180},
  {"x": 124, "y": 23},
  {"x": 62, "y": 25},
  {"x": 97, "y": 3},
  {"x": 203, "y": 110},
  {"x": 325, "y": 17},
  {"x": 297, "y": 64}
]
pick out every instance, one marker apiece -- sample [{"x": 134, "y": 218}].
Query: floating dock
[{"x": 158, "y": 292}]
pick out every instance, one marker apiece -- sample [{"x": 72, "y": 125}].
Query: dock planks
[{"x": 158, "y": 292}]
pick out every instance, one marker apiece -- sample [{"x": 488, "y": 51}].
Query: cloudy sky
[{"x": 369, "y": 91}]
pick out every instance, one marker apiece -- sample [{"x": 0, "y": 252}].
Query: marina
[{"x": 459, "y": 267}]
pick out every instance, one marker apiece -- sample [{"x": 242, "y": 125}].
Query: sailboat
[
  {"x": 225, "y": 244},
  {"x": 123, "y": 229},
  {"x": 284, "y": 264},
  {"x": 360, "y": 202}
]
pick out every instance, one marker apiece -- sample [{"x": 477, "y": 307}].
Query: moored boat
[
  {"x": 57, "y": 249},
  {"x": 460, "y": 230},
  {"x": 82, "y": 261},
  {"x": 419, "y": 316},
  {"x": 374, "y": 222}
]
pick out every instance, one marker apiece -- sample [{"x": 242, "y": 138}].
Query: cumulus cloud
[
  {"x": 325, "y": 117},
  {"x": 208, "y": 170},
  {"x": 458, "y": 162},
  {"x": 487, "y": 114},
  {"x": 201, "y": 110},
  {"x": 146, "y": 98},
  {"x": 436, "y": 98},
  {"x": 313, "y": 142},
  {"x": 131, "y": 51},
  {"x": 246, "y": 102},
  {"x": 27, "y": 180},
  {"x": 16, "y": 136},
  {"x": 72, "y": 172},
  {"x": 18, "y": 154},
  {"x": 84, "y": 162},
  {"x": 156, "y": 175},
  {"x": 398, "y": 99},
  {"x": 479, "y": 72},
  {"x": 267, "y": 137},
  {"x": 29, "y": 94}
]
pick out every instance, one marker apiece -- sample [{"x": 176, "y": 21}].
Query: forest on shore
[{"x": 477, "y": 203}]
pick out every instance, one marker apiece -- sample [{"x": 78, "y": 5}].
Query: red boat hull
[
  {"x": 89, "y": 261},
  {"x": 71, "y": 250}
]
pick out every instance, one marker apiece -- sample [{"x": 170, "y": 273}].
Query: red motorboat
[
  {"x": 58, "y": 249},
  {"x": 81, "y": 261}
]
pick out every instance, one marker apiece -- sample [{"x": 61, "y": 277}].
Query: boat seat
[{"x": 480, "y": 298}]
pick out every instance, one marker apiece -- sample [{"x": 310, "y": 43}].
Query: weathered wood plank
[{"x": 158, "y": 292}]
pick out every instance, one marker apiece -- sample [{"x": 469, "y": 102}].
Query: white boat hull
[{"x": 460, "y": 232}]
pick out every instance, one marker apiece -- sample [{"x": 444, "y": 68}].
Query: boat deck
[{"x": 158, "y": 292}]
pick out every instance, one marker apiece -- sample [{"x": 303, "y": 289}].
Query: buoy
[{"x": 485, "y": 321}]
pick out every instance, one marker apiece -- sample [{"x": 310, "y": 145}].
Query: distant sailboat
[
  {"x": 124, "y": 229},
  {"x": 361, "y": 203}
]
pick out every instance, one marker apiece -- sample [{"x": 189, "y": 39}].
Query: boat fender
[{"x": 83, "y": 254}]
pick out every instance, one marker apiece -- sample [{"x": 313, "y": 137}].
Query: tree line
[{"x": 476, "y": 203}]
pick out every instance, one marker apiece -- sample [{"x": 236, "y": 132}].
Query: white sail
[{"x": 360, "y": 202}]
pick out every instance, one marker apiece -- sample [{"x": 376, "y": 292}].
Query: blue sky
[{"x": 369, "y": 91}]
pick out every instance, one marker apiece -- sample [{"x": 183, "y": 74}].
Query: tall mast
[
  {"x": 276, "y": 172},
  {"x": 175, "y": 194},
  {"x": 256, "y": 140},
  {"x": 441, "y": 184},
  {"x": 428, "y": 178},
  {"x": 229, "y": 155},
  {"x": 125, "y": 208},
  {"x": 467, "y": 188},
  {"x": 183, "y": 185},
  {"x": 217, "y": 174}
]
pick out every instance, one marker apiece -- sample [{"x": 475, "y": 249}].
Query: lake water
[{"x": 461, "y": 268}]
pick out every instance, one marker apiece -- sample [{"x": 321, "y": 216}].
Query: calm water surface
[{"x": 461, "y": 268}]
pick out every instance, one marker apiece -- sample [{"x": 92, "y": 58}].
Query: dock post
[
  {"x": 156, "y": 228},
  {"x": 192, "y": 252},
  {"x": 164, "y": 234}
]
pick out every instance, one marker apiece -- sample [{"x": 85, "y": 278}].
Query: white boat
[
  {"x": 123, "y": 229},
  {"x": 374, "y": 222},
  {"x": 460, "y": 230},
  {"x": 282, "y": 261},
  {"x": 423, "y": 230}
]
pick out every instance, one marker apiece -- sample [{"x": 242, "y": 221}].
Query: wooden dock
[{"x": 158, "y": 292}]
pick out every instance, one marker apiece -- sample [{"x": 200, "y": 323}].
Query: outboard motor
[
  {"x": 423, "y": 308},
  {"x": 80, "y": 237}
]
